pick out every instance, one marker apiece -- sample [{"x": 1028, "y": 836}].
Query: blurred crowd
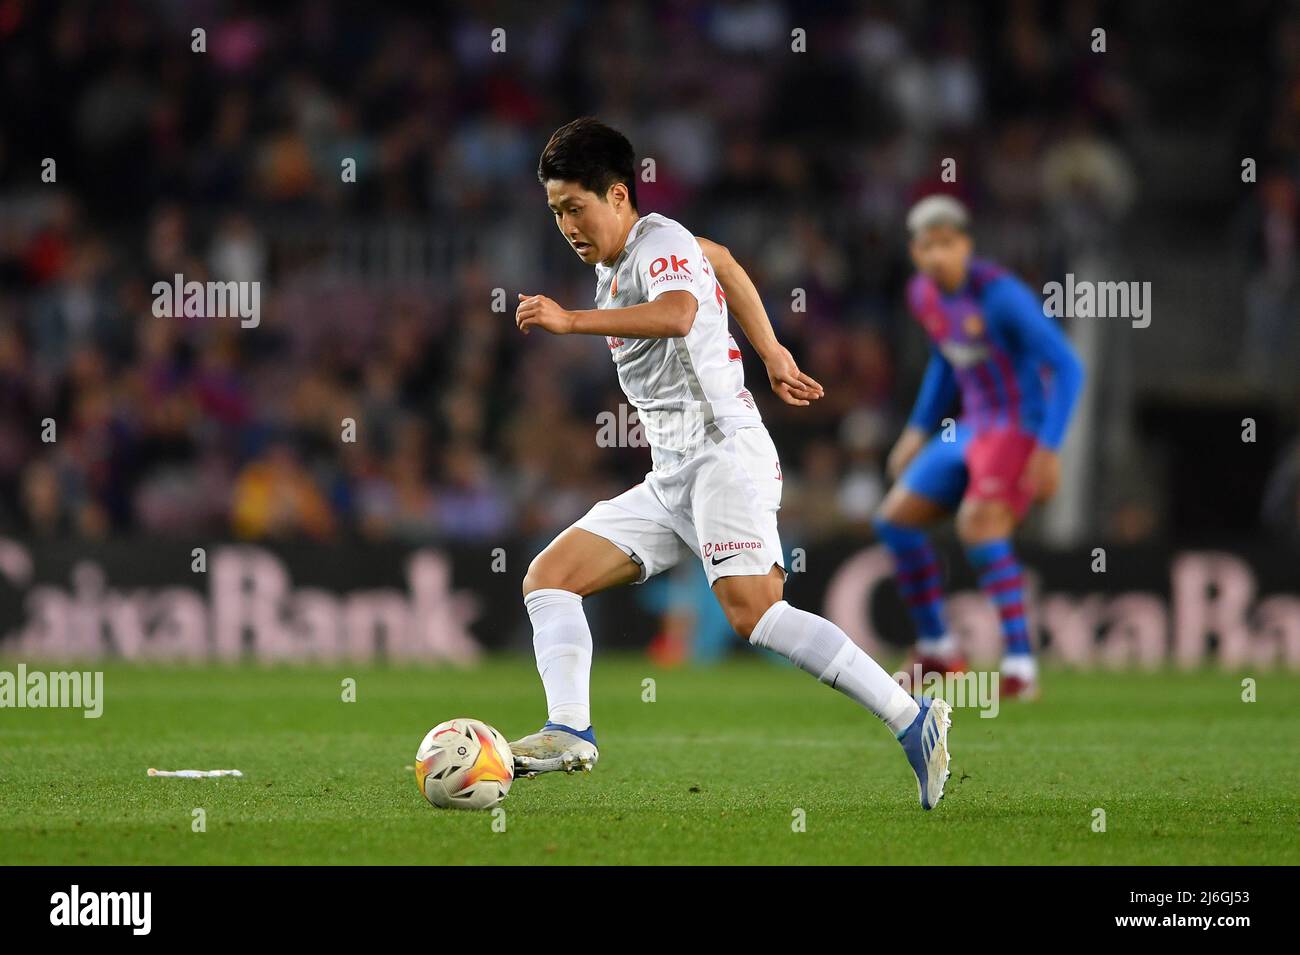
[
  {"x": 1265, "y": 246},
  {"x": 225, "y": 164},
  {"x": 1266, "y": 230}
]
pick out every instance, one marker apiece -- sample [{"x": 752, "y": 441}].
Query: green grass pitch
[{"x": 712, "y": 771}]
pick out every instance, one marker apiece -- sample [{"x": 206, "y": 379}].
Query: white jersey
[{"x": 688, "y": 392}]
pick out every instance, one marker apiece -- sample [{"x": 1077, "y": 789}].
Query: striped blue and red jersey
[{"x": 991, "y": 340}]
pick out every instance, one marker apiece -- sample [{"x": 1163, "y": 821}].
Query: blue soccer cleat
[{"x": 926, "y": 744}]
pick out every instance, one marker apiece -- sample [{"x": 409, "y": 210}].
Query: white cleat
[
  {"x": 926, "y": 744},
  {"x": 553, "y": 749}
]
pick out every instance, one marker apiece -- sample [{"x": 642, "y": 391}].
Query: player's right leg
[
  {"x": 621, "y": 541},
  {"x": 575, "y": 565},
  {"x": 926, "y": 493}
]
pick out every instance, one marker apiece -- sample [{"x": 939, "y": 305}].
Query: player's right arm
[
  {"x": 670, "y": 315},
  {"x": 745, "y": 305},
  {"x": 938, "y": 389},
  {"x": 664, "y": 273}
]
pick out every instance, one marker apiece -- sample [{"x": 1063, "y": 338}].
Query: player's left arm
[
  {"x": 745, "y": 305},
  {"x": 671, "y": 315},
  {"x": 1016, "y": 309}
]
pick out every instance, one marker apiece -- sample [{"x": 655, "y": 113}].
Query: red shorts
[{"x": 995, "y": 462}]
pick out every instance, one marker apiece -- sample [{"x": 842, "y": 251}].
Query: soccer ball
[{"x": 464, "y": 764}]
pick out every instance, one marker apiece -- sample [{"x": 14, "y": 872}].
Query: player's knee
[
  {"x": 893, "y": 530},
  {"x": 983, "y": 521},
  {"x": 886, "y": 514},
  {"x": 745, "y": 608},
  {"x": 531, "y": 580},
  {"x": 745, "y": 617},
  {"x": 545, "y": 573},
  {"x": 900, "y": 510},
  {"x": 970, "y": 523},
  {"x": 883, "y": 520}
]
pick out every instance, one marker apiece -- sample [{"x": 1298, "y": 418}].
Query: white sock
[
  {"x": 562, "y": 642},
  {"x": 942, "y": 647},
  {"x": 1023, "y": 665},
  {"x": 818, "y": 646}
]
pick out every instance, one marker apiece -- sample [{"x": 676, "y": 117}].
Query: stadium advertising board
[{"x": 227, "y": 602}]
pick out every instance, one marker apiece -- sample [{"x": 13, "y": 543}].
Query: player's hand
[
  {"x": 538, "y": 311},
  {"x": 1042, "y": 473},
  {"x": 790, "y": 384},
  {"x": 908, "y": 446}
]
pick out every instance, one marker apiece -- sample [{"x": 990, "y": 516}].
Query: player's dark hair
[{"x": 594, "y": 155}]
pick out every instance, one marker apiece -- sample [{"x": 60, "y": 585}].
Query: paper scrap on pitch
[{"x": 195, "y": 773}]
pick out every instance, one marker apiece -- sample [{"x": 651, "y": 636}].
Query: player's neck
[
  {"x": 956, "y": 286},
  {"x": 636, "y": 217}
]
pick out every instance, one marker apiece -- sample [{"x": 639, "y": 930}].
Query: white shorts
[{"x": 719, "y": 504}]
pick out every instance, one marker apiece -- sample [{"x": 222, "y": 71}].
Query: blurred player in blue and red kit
[{"x": 1018, "y": 378}]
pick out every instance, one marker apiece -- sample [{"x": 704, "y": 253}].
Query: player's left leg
[
  {"x": 928, "y": 490},
  {"x": 755, "y": 607},
  {"x": 734, "y": 499},
  {"x": 757, "y": 611},
  {"x": 995, "y": 502}
]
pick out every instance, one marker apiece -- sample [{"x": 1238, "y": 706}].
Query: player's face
[
  {"x": 942, "y": 252},
  {"x": 593, "y": 226}
]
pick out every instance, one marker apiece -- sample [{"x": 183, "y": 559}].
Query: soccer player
[
  {"x": 992, "y": 342},
  {"x": 715, "y": 484}
]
